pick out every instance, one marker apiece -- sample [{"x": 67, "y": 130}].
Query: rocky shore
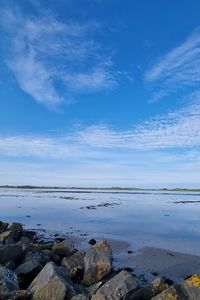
[{"x": 31, "y": 269}]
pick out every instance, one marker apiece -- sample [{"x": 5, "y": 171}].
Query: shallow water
[{"x": 160, "y": 219}]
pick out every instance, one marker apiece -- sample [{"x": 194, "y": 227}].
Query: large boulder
[
  {"x": 119, "y": 287},
  {"x": 64, "y": 248},
  {"x": 51, "y": 284},
  {"x": 32, "y": 265},
  {"x": 191, "y": 287},
  {"x": 12, "y": 252},
  {"x": 8, "y": 280},
  {"x": 98, "y": 263},
  {"x": 74, "y": 265}
]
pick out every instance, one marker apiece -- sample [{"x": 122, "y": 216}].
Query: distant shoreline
[{"x": 101, "y": 188}]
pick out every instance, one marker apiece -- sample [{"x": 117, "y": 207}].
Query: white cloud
[
  {"x": 43, "y": 53},
  {"x": 178, "y": 69},
  {"x": 174, "y": 130}
]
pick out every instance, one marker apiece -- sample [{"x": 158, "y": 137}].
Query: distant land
[{"x": 101, "y": 188}]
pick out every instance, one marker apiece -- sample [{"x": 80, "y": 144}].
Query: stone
[
  {"x": 17, "y": 295},
  {"x": 191, "y": 287},
  {"x": 3, "y": 226},
  {"x": 16, "y": 226},
  {"x": 31, "y": 266},
  {"x": 98, "y": 263},
  {"x": 80, "y": 297},
  {"x": 76, "y": 274},
  {"x": 119, "y": 287},
  {"x": 7, "y": 236},
  {"x": 8, "y": 280},
  {"x": 49, "y": 255},
  {"x": 92, "y": 242},
  {"x": 171, "y": 293},
  {"x": 93, "y": 288},
  {"x": 149, "y": 291},
  {"x": 76, "y": 260},
  {"x": 51, "y": 284},
  {"x": 12, "y": 252},
  {"x": 64, "y": 248}
]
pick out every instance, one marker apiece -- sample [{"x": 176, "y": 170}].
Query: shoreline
[
  {"x": 33, "y": 268},
  {"x": 145, "y": 262}
]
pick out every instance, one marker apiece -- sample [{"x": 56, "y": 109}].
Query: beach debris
[
  {"x": 98, "y": 263},
  {"x": 118, "y": 287}
]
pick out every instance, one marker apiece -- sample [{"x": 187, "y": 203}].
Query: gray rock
[
  {"x": 7, "y": 237},
  {"x": 12, "y": 252},
  {"x": 98, "y": 263},
  {"x": 51, "y": 284},
  {"x": 64, "y": 248},
  {"x": 191, "y": 287},
  {"x": 74, "y": 265},
  {"x": 80, "y": 297},
  {"x": 75, "y": 260},
  {"x": 8, "y": 280},
  {"x": 3, "y": 226},
  {"x": 49, "y": 255},
  {"x": 171, "y": 293},
  {"x": 119, "y": 287},
  {"x": 93, "y": 288},
  {"x": 17, "y": 295},
  {"x": 31, "y": 266},
  {"x": 151, "y": 290}
]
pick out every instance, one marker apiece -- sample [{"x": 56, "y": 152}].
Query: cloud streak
[
  {"x": 51, "y": 59},
  {"x": 178, "y": 69}
]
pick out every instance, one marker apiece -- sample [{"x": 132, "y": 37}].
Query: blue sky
[{"x": 100, "y": 93}]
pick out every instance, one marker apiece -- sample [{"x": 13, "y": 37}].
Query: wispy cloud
[
  {"x": 175, "y": 130},
  {"x": 44, "y": 53},
  {"x": 178, "y": 69}
]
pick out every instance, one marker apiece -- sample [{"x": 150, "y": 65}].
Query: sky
[{"x": 100, "y": 93}]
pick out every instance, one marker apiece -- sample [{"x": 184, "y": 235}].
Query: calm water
[{"x": 141, "y": 218}]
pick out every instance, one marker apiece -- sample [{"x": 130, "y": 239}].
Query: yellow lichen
[{"x": 194, "y": 281}]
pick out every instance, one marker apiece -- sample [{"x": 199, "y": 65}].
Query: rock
[
  {"x": 191, "y": 287},
  {"x": 7, "y": 237},
  {"x": 16, "y": 226},
  {"x": 64, "y": 248},
  {"x": 8, "y": 280},
  {"x": 171, "y": 293},
  {"x": 3, "y": 226},
  {"x": 12, "y": 252},
  {"x": 98, "y": 263},
  {"x": 151, "y": 290},
  {"x": 93, "y": 288},
  {"x": 17, "y": 295},
  {"x": 75, "y": 260},
  {"x": 92, "y": 242},
  {"x": 80, "y": 297},
  {"x": 49, "y": 255},
  {"x": 118, "y": 287},
  {"x": 32, "y": 265},
  {"x": 51, "y": 284},
  {"x": 76, "y": 274}
]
